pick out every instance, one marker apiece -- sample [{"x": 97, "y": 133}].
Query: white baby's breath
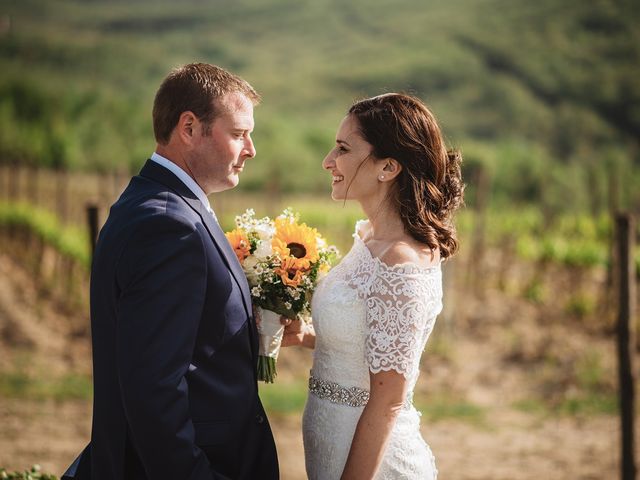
[{"x": 264, "y": 249}]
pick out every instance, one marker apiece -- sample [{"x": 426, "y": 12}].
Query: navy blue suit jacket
[{"x": 174, "y": 345}]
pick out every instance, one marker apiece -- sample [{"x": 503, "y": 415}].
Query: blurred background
[{"x": 543, "y": 99}]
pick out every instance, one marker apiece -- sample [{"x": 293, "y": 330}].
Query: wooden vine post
[
  {"x": 92, "y": 223},
  {"x": 625, "y": 239}
]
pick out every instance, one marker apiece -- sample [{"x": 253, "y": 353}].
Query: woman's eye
[{"x": 341, "y": 149}]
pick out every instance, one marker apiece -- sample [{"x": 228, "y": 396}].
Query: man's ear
[
  {"x": 186, "y": 126},
  {"x": 391, "y": 168}
]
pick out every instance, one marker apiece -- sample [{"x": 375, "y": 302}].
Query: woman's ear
[{"x": 391, "y": 168}]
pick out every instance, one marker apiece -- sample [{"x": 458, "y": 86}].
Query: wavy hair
[{"x": 429, "y": 188}]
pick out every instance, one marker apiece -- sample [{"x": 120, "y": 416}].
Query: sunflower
[
  {"x": 288, "y": 272},
  {"x": 240, "y": 243},
  {"x": 296, "y": 241}
]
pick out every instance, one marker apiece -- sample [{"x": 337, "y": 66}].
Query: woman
[{"x": 374, "y": 312}]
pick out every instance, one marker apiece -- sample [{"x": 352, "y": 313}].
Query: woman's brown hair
[{"x": 429, "y": 188}]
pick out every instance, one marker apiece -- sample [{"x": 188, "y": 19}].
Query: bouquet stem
[{"x": 267, "y": 369}]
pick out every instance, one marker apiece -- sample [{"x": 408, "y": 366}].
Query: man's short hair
[{"x": 194, "y": 87}]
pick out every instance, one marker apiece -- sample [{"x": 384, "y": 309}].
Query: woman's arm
[{"x": 386, "y": 399}]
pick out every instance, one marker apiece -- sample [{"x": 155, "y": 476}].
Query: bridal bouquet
[{"x": 283, "y": 260}]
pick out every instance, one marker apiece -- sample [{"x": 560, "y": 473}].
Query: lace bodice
[{"x": 369, "y": 317}]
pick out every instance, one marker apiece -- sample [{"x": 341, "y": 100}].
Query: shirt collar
[{"x": 184, "y": 177}]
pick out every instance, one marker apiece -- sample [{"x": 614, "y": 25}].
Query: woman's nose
[{"x": 329, "y": 161}]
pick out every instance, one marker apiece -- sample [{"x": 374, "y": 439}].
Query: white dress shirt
[{"x": 184, "y": 178}]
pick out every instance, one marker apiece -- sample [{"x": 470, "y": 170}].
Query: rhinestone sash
[
  {"x": 336, "y": 393},
  {"x": 351, "y": 396}
]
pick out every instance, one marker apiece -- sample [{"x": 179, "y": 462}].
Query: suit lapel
[
  {"x": 226, "y": 251},
  {"x": 160, "y": 174},
  {"x": 230, "y": 258}
]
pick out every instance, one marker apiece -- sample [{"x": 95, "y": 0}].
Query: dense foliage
[
  {"x": 70, "y": 241},
  {"x": 33, "y": 474},
  {"x": 541, "y": 96}
]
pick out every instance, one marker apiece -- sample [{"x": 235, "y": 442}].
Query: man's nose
[{"x": 249, "y": 148}]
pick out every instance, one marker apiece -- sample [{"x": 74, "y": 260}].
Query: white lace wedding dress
[{"x": 368, "y": 316}]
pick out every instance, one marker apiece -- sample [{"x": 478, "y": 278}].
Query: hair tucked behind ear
[{"x": 429, "y": 188}]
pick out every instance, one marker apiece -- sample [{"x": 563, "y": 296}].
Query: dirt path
[
  {"x": 515, "y": 446},
  {"x": 507, "y": 445}
]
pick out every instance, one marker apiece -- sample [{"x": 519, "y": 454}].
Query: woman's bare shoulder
[{"x": 410, "y": 251}]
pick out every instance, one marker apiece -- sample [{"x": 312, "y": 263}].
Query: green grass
[
  {"x": 17, "y": 384},
  {"x": 591, "y": 403},
  {"x": 290, "y": 398},
  {"x": 574, "y": 405},
  {"x": 284, "y": 398},
  {"x": 532, "y": 406},
  {"x": 437, "y": 407},
  {"x": 591, "y": 392},
  {"x": 34, "y": 473}
]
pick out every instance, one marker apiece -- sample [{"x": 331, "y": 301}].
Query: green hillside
[{"x": 544, "y": 95}]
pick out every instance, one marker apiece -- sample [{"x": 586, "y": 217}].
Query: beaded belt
[{"x": 351, "y": 396}]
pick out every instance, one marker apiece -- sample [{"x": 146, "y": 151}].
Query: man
[{"x": 174, "y": 341}]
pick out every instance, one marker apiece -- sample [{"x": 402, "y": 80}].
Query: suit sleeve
[{"x": 162, "y": 277}]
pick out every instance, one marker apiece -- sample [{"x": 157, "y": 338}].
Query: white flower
[
  {"x": 265, "y": 231},
  {"x": 289, "y": 215},
  {"x": 250, "y": 267},
  {"x": 256, "y": 291},
  {"x": 264, "y": 249},
  {"x": 250, "y": 263},
  {"x": 287, "y": 305}
]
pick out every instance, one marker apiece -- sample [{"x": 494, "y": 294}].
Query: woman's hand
[{"x": 297, "y": 333}]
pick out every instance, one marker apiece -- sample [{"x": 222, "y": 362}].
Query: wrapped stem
[{"x": 271, "y": 331}]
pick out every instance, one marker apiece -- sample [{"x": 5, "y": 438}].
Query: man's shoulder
[
  {"x": 143, "y": 197},
  {"x": 140, "y": 210}
]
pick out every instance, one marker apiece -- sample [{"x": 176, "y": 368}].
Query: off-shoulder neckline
[{"x": 405, "y": 267}]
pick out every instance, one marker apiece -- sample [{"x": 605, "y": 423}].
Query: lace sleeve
[{"x": 400, "y": 316}]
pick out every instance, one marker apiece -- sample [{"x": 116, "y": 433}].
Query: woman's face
[{"x": 351, "y": 164}]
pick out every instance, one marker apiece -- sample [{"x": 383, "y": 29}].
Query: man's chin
[
  {"x": 227, "y": 184},
  {"x": 232, "y": 181}
]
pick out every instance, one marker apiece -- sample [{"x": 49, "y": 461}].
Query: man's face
[{"x": 218, "y": 156}]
